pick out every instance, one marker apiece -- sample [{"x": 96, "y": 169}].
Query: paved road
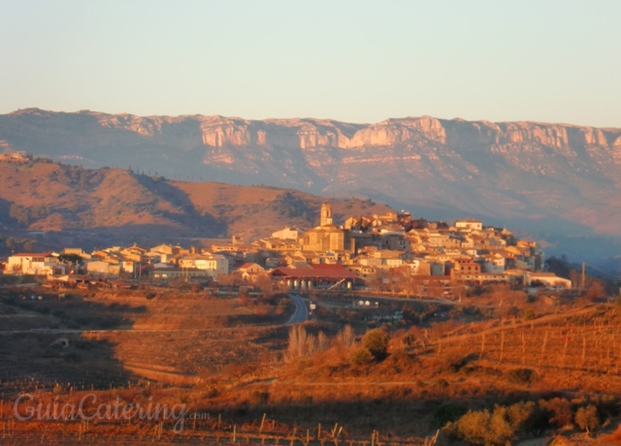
[{"x": 301, "y": 312}]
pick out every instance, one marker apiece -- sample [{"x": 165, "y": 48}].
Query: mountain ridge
[{"x": 561, "y": 177}]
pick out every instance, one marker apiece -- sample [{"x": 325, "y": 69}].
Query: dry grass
[{"x": 220, "y": 361}]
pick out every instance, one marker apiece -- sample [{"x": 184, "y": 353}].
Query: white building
[
  {"x": 35, "y": 263},
  {"x": 469, "y": 224},
  {"x": 287, "y": 234},
  {"x": 493, "y": 264},
  {"x": 548, "y": 279},
  {"x": 215, "y": 264},
  {"x": 103, "y": 268}
]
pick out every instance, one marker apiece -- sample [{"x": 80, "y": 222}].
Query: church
[{"x": 326, "y": 237}]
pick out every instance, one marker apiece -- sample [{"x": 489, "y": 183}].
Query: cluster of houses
[{"x": 364, "y": 251}]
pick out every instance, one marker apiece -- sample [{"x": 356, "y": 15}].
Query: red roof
[{"x": 320, "y": 271}]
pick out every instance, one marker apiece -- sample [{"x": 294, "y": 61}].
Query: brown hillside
[
  {"x": 255, "y": 211},
  {"x": 44, "y": 196}
]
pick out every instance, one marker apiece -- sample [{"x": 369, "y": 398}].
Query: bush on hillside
[
  {"x": 521, "y": 376},
  {"x": 362, "y": 356},
  {"x": 376, "y": 342}
]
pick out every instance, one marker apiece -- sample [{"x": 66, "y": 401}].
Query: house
[
  {"x": 384, "y": 258},
  {"x": 493, "y": 263},
  {"x": 287, "y": 234},
  {"x": 419, "y": 267},
  {"x": 275, "y": 262},
  {"x": 166, "y": 249},
  {"x": 469, "y": 224},
  {"x": 103, "y": 268},
  {"x": 364, "y": 271},
  {"x": 35, "y": 263},
  {"x": 134, "y": 253},
  {"x": 216, "y": 264},
  {"x": 187, "y": 260},
  {"x": 129, "y": 266},
  {"x": 464, "y": 265},
  {"x": 250, "y": 271}
]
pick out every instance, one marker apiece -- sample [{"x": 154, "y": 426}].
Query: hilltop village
[{"x": 393, "y": 252}]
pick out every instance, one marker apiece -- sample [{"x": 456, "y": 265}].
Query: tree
[
  {"x": 596, "y": 291},
  {"x": 70, "y": 259},
  {"x": 298, "y": 343},
  {"x": 346, "y": 337},
  {"x": 586, "y": 418},
  {"x": 376, "y": 342}
]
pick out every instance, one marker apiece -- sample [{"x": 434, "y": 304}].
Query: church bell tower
[{"x": 326, "y": 215}]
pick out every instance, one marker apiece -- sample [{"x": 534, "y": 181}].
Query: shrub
[
  {"x": 499, "y": 426},
  {"x": 376, "y": 342},
  {"x": 586, "y": 418},
  {"x": 400, "y": 360},
  {"x": 559, "y": 409},
  {"x": 521, "y": 376},
  {"x": 150, "y": 295},
  {"x": 362, "y": 356},
  {"x": 527, "y": 416},
  {"x": 483, "y": 428}
]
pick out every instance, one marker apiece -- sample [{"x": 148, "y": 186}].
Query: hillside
[
  {"x": 120, "y": 204},
  {"x": 556, "y": 180}
]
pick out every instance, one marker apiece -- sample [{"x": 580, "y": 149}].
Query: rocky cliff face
[{"x": 556, "y": 176}]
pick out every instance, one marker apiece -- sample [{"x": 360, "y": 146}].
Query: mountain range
[{"x": 559, "y": 182}]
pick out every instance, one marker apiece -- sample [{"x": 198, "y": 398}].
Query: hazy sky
[{"x": 358, "y": 61}]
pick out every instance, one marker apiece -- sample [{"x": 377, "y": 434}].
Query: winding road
[{"x": 301, "y": 312}]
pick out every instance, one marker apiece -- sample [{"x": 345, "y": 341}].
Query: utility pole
[{"x": 583, "y": 276}]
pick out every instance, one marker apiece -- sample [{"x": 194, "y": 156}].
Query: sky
[{"x": 350, "y": 60}]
